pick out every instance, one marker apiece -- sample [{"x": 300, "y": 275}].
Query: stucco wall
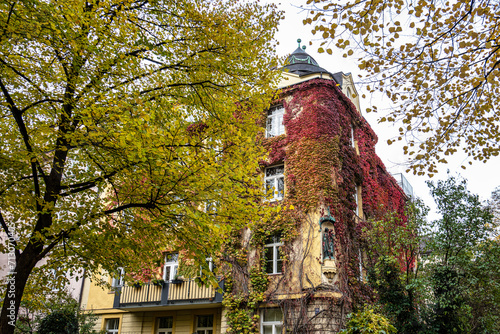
[{"x": 184, "y": 321}]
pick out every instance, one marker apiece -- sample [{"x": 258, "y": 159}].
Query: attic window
[{"x": 274, "y": 123}]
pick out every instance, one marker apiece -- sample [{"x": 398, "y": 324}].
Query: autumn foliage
[
  {"x": 118, "y": 130},
  {"x": 438, "y": 63}
]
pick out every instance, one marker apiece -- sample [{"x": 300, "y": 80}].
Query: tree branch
[
  {"x": 24, "y": 134},
  {"x": 10, "y": 236},
  {"x": 39, "y": 102}
]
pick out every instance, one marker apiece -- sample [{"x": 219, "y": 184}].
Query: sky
[{"x": 482, "y": 178}]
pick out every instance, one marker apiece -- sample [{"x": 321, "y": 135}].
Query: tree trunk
[{"x": 15, "y": 288}]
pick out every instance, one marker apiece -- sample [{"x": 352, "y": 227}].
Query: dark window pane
[
  {"x": 113, "y": 323},
  {"x": 272, "y": 314},
  {"x": 273, "y": 239},
  {"x": 279, "y": 266},
  {"x": 171, "y": 257},
  {"x": 281, "y": 187},
  {"x": 205, "y": 321},
  {"x": 166, "y": 322},
  {"x": 269, "y": 186}
]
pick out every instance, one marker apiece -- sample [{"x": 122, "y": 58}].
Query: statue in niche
[{"x": 328, "y": 244}]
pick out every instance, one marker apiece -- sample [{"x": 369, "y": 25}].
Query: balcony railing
[
  {"x": 404, "y": 184},
  {"x": 184, "y": 292}
]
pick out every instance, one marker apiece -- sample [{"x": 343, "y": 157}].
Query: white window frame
[
  {"x": 360, "y": 254},
  {"x": 165, "y": 330},
  {"x": 274, "y": 247},
  {"x": 273, "y": 324},
  {"x": 204, "y": 330},
  {"x": 273, "y": 181},
  {"x": 117, "y": 280},
  {"x": 211, "y": 266},
  {"x": 112, "y": 330},
  {"x": 352, "y": 137},
  {"x": 274, "y": 121},
  {"x": 172, "y": 264},
  {"x": 356, "y": 200}
]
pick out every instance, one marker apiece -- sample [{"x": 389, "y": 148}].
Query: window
[
  {"x": 112, "y": 326},
  {"x": 209, "y": 264},
  {"x": 272, "y": 321},
  {"x": 274, "y": 124},
  {"x": 360, "y": 265},
  {"x": 356, "y": 200},
  {"x": 205, "y": 324},
  {"x": 275, "y": 181},
  {"x": 170, "y": 267},
  {"x": 165, "y": 325},
  {"x": 118, "y": 278},
  {"x": 352, "y": 137},
  {"x": 272, "y": 255}
]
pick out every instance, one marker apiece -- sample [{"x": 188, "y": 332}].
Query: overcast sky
[{"x": 482, "y": 178}]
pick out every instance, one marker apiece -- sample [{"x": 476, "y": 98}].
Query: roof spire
[{"x": 298, "y": 41}]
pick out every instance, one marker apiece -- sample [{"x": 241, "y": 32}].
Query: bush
[
  {"x": 368, "y": 321},
  {"x": 59, "y": 322}
]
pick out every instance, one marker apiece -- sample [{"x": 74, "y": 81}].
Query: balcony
[
  {"x": 186, "y": 292},
  {"x": 404, "y": 184}
]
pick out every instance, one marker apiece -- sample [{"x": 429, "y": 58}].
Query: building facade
[{"x": 302, "y": 270}]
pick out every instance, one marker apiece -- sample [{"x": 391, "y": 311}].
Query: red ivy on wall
[{"x": 323, "y": 168}]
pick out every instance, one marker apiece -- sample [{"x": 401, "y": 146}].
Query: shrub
[
  {"x": 59, "y": 322},
  {"x": 368, "y": 321}
]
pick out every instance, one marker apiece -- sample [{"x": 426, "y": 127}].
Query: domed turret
[{"x": 301, "y": 63}]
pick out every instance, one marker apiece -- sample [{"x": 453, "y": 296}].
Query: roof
[{"x": 301, "y": 63}]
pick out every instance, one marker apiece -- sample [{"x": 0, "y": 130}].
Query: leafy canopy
[
  {"x": 128, "y": 126},
  {"x": 392, "y": 246},
  {"x": 465, "y": 222},
  {"x": 437, "y": 61},
  {"x": 460, "y": 262}
]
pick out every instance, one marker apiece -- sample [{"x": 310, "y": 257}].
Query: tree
[
  {"x": 461, "y": 265},
  {"x": 392, "y": 245},
  {"x": 54, "y": 313},
  {"x": 494, "y": 204},
  {"x": 59, "y": 322},
  {"x": 121, "y": 122},
  {"x": 440, "y": 73}
]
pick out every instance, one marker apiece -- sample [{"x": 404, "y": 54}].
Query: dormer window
[{"x": 274, "y": 123}]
